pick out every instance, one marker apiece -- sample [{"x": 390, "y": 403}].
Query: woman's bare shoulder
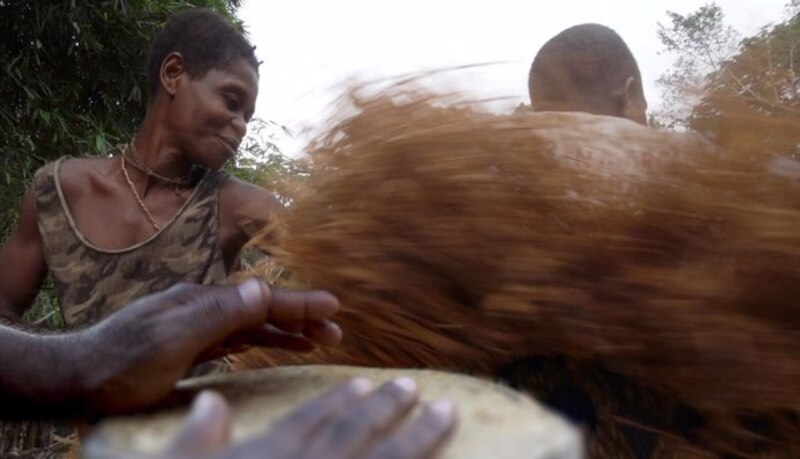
[
  {"x": 247, "y": 206},
  {"x": 237, "y": 193},
  {"x": 82, "y": 173}
]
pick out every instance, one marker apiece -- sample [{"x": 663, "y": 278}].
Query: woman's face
[{"x": 209, "y": 114}]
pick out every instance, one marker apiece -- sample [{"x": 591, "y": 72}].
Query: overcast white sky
[{"x": 309, "y": 47}]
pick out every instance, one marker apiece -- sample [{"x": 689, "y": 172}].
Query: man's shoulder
[
  {"x": 615, "y": 144},
  {"x": 590, "y": 126}
]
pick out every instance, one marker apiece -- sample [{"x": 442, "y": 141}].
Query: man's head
[
  {"x": 204, "y": 39},
  {"x": 587, "y": 68}
]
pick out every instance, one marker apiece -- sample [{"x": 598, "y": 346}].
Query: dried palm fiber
[{"x": 464, "y": 240}]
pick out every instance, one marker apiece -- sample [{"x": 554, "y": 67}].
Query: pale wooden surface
[{"x": 495, "y": 421}]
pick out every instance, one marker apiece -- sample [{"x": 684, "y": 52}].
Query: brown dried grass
[{"x": 460, "y": 239}]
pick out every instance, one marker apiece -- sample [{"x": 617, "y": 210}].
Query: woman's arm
[
  {"x": 22, "y": 264},
  {"x": 244, "y": 210}
]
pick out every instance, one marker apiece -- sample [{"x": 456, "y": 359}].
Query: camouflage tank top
[{"x": 91, "y": 282}]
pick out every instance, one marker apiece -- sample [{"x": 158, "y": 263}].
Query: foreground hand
[
  {"x": 348, "y": 422},
  {"x": 135, "y": 357}
]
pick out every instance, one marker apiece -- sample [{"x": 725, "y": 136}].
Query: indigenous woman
[{"x": 160, "y": 212}]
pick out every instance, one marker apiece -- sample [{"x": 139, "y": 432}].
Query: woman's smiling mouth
[{"x": 230, "y": 143}]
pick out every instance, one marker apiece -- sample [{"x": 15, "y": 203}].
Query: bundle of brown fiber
[{"x": 460, "y": 239}]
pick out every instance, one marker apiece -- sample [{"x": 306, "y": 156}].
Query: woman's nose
[{"x": 240, "y": 126}]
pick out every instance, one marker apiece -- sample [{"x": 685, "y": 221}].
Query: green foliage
[
  {"x": 745, "y": 93},
  {"x": 260, "y": 161},
  {"x": 757, "y": 90},
  {"x": 764, "y": 70},
  {"x": 702, "y": 33},
  {"x": 701, "y": 41},
  {"x": 45, "y": 312}
]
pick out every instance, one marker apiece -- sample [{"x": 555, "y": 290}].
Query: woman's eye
[{"x": 232, "y": 102}]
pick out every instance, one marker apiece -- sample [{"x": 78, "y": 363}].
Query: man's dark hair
[
  {"x": 205, "y": 39},
  {"x": 582, "y": 65}
]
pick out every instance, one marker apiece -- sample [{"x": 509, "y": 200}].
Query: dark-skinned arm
[
  {"x": 133, "y": 358},
  {"x": 22, "y": 264},
  {"x": 37, "y": 375}
]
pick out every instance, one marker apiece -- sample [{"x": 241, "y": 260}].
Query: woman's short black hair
[{"x": 205, "y": 39}]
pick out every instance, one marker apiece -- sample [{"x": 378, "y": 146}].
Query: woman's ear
[{"x": 172, "y": 69}]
